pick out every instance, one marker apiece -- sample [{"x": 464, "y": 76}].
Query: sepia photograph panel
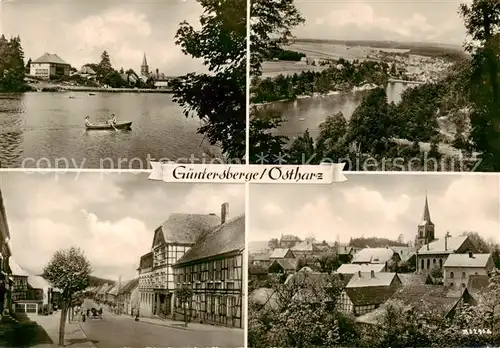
[
  {"x": 116, "y": 85},
  {"x": 147, "y": 264},
  {"x": 378, "y": 85},
  {"x": 376, "y": 261}
]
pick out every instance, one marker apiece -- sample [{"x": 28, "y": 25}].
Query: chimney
[
  {"x": 372, "y": 273},
  {"x": 224, "y": 211},
  {"x": 359, "y": 274},
  {"x": 470, "y": 254}
]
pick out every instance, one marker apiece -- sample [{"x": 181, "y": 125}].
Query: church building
[{"x": 432, "y": 253}]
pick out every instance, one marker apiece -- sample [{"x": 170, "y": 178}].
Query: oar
[{"x": 112, "y": 125}]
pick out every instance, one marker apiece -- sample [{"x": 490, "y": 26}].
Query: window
[
  {"x": 476, "y": 273},
  {"x": 230, "y": 268},
  {"x": 422, "y": 264},
  {"x": 463, "y": 285},
  {"x": 452, "y": 275},
  {"x": 440, "y": 263},
  {"x": 433, "y": 262},
  {"x": 428, "y": 263},
  {"x": 452, "y": 285},
  {"x": 463, "y": 275}
]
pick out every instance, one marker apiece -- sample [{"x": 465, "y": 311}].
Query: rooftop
[
  {"x": 351, "y": 268},
  {"x": 50, "y": 58},
  {"x": 278, "y": 253},
  {"x": 373, "y": 255},
  {"x": 370, "y": 279},
  {"x": 219, "y": 240},
  {"x": 467, "y": 260},
  {"x": 438, "y": 246},
  {"x": 187, "y": 228},
  {"x": 16, "y": 269},
  {"x": 286, "y": 264},
  {"x": 303, "y": 246}
]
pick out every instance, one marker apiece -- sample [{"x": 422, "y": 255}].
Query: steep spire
[
  {"x": 426, "y": 216},
  {"x": 144, "y": 60}
]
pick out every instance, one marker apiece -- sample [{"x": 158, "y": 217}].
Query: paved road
[{"x": 119, "y": 331}]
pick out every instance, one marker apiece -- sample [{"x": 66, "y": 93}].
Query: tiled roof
[
  {"x": 351, "y": 268},
  {"x": 344, "y": 250},
  {"x": 187, "y": 228},
  {"x": 114, "y": 289},
  {"x": 87, "y": 70},
  {"x": 278, "y": 253},
  {"x": 442, "y": 298},
  {"x": 286, "y": 264},
  {"x": 16, "y": 269},
  {"x": 467, "y": 260},
  {"x": 219, "y": 240},
  {"x": 373, "y": 295},
  {"x": 405, "y": 253},
  {"x": 102, "y": 290},
  {"x": 412, "y": 278},
  {"x": 129, "y": 286},
  {"x": 37, "y": 282},
  {"x": 373, "y": 255},
  {"x": 50, "y": 58},
  {"x": 438, "y": 246},
  {"x": 368, "y": 280}
]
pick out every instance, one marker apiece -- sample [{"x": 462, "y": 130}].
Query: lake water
[
  {"x": 308, "y": 113},
  {"x": 51, "y": 125}
]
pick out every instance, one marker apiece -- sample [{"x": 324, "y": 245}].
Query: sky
[
  {"x": 79, "y": 31},
  {"x": 376, "y": 206},
  {"x": 392, "y": 20},
  {"x": 111, "y": 217}
]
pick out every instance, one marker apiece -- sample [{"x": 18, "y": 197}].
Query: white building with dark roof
[
  {"x": 459, "y": 267},
  {"x": 48, "y": 66},
  {"x": 434, "y": 255}
]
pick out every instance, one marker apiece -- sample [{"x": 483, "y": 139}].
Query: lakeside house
[
  {"x": 213, "y": 269},
  {"x": 171, "y": 241},
  {"x": 48, "y": 66}
]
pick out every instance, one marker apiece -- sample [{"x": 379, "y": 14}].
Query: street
[{"x": 122, "y": 331}]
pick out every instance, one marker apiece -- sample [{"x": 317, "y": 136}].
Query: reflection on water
[
  {"x": 51, "y": 125},
  {"x": 308, "y": 113}
]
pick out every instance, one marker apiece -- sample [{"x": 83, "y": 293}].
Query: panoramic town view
[
  {"x": 409, "y": 67},
  {"x": 105, "y": 85},
  {"x": 376, "y": 261},
  {"x": 82, "y": 269}
]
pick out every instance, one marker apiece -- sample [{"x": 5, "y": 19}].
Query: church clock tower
[
  {"x": 425, "y": 233},
  {"x": 144, "y": 67}
]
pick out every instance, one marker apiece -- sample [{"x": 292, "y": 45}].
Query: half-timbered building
[
  {"x": 213, "y": 270},
  {"x": 170, "y": 242}
]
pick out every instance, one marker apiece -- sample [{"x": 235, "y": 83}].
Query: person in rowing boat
[
  {"x": 87, "y": 121},
  {"x": 112, "y": 122}
]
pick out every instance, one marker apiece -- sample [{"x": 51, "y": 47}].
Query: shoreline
[
  {"x": 102, "y": 90},
  {"x": 366, "y": 87}
]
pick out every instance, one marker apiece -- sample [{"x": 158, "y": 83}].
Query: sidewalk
[
  {"x": 73, "y": 334},
  {"x": 180, "y": 325}
]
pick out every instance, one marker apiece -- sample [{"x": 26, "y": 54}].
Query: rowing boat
[{"x": 107, "y": 126}]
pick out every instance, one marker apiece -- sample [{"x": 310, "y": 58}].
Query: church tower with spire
[
  {"x": 144, "y": 66},
  {"x": 425, "y": 233}
]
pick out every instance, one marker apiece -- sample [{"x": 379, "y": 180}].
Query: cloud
[
  {"x": 376, "y": 20},
  {"x": 376, "y": 205},
  {"x": 111, "y": 217}
]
